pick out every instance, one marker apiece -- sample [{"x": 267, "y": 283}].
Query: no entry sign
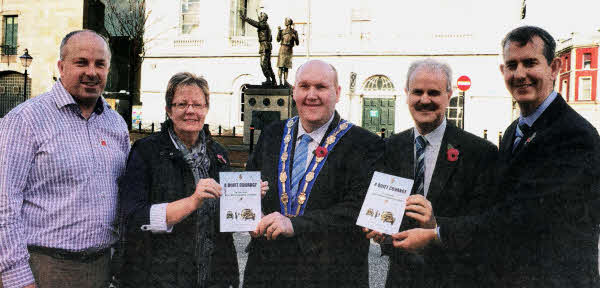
[{"x": 463, "y": 83}]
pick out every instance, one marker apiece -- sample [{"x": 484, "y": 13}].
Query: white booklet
[
  {"x": 240, "y": 203},
  {"x": 384, "y": 204}
]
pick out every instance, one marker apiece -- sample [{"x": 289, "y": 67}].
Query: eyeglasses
[{"x": 184, "y": 106}]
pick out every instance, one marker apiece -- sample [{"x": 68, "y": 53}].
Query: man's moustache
[
  {"x": 428, "y": 107},
  {"x": 519, "y": 83}
]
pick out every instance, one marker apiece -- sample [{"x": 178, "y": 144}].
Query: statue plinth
[{"x": 263, "y": 105}]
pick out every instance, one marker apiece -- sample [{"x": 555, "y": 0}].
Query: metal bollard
[
  {"x": 382, "y": 133},
  {"x": 152, "y": 127},
  {"x": 219, "y": 130},
  {"x": 140, "y": 126},
  {"x": 233, "y": 132},
  {"x": 251, "y": 138},
  {"x": 499, "y": 138},
  {"x": 485, "y": 134}
]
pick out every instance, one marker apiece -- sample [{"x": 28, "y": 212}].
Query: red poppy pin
[
  {"x": 103, "y": 143},
  {"x": 221, "y": 159},
  {"x": 321, "y": 151},
  {"x": 452, "y": 153}
]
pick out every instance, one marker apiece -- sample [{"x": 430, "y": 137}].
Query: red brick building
[{"x": 578, "y": 76}]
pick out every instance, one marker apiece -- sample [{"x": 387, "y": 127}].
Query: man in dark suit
[
  {"x": 454, "y": 171},
  {"x": 308, "y": 237},
  {"x": 545, "y": 231}
]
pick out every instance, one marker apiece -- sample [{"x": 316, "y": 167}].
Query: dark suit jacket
[
  {"x": 328, "y": 249},
  {"x": 545, "y": 231},
  {"x": 457, "y": 188}
]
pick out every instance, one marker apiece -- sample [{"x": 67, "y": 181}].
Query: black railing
[
  {"x": 9, "y": 50},
  {"x": 8, "y": 102}
]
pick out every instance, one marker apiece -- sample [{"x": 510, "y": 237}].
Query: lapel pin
[
  {"x": 452, "y": 153},
  {"x": 530, "y": 138}
]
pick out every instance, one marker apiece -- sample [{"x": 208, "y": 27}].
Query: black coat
[
  {"x": 457, "y": 188},
  {"x": 157, "y": 173},
  {"x": 545, "y": 231},
  {"x": 328, "y": 249}
]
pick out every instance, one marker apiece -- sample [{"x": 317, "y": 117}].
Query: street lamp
[{"x": 25, "y": 61}]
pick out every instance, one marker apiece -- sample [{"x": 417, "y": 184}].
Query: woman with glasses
[{"x": 169, "y": 200}]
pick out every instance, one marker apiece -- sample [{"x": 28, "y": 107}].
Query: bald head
[
  {"x": 65, "y": 41},
  {"x": 323, "y": 66}
]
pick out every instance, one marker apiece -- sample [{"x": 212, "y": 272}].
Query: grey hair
[
  {"x": 185, "y": 79},
  {"x": 430, "y": 64},
  {"x": 64, "y": 41}
]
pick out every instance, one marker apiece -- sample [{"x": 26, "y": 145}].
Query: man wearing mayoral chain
[{"x": 318, "y": 166}]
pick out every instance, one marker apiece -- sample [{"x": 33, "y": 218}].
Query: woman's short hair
[{"x": 185, "y": 79}]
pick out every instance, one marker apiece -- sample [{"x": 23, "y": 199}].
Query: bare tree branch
[{"x": 128, "y": 18}]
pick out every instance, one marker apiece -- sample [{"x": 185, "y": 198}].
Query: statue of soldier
[
  {"x": 264, "y": 38},
  {"x": 288, "y": 38}
]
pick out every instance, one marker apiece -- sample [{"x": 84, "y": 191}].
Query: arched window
[
  {"x": 454, "y": 112},
  {"x": 378, "y": 83}
]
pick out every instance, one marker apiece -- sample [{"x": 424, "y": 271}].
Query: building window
[
  {"x": 361, "y": 21},
  {"x": 568, "y": 63},
  {"x": 378, "y": 83},
  {"x": 587, "y": 60},
  {"x": 585, "y": 89},
  {"x": 238, "y": 27},
  {"x": 243, "y": 100},
  {"x": 9, "y": 39},
  {"x": 454, "y": 112},
  {"x": 564, "y": 89},
  {"x": 190, "y": 16}
]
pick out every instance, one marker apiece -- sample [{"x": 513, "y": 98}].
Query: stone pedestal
[{"x": 263, "y": 105}]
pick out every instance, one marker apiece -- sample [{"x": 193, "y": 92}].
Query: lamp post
[{"x": 25, "y": 61}]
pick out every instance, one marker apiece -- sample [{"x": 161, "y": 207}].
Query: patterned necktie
[
  {"x": 523, "y": 130},
  {"x": 300, "y": 155},
  {"x": 420, "y": 144}
]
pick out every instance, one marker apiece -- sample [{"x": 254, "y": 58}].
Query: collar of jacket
[{"x": 168, "y": 149}]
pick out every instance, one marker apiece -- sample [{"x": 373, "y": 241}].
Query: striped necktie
[
  {"x": 299, "y": 168},
  {"x": 420, "y": 144}
]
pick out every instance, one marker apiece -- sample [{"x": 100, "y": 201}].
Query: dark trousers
[{"x": 50, "y": 272}]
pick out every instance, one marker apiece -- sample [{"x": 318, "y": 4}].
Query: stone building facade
[
  {"x": 39, "y": 27},
  {"x": 370, "y": 42}
]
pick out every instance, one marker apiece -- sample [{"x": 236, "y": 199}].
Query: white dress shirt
[{"x": 316, "y": 136}]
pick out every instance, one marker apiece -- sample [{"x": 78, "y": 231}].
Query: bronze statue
[
  {"x": 264, "y": 38},
  {"x": 288, "y": 38}
]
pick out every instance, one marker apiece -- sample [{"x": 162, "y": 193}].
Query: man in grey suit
[{"x": 449, "y": 166}]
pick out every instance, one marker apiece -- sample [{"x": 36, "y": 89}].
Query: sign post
[{"x": 463, "y": 83}]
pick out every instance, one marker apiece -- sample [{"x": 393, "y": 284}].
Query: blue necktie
[
  {"x": 420, "y": 144},
  {"x": 300, "y": 155},
  {"x": 522, "y": 131}
]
